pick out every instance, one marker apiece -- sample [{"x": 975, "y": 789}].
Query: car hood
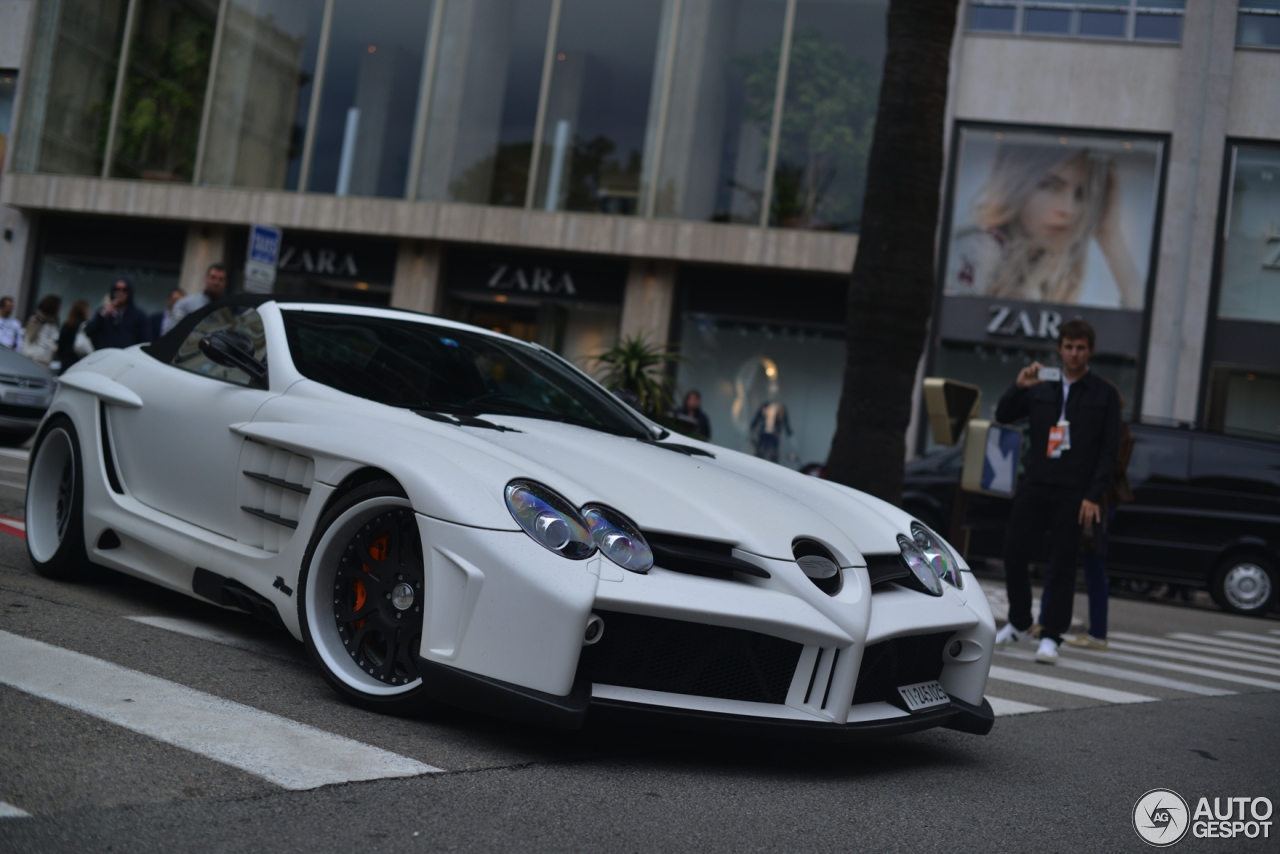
[{"x": 460, "y": 473}]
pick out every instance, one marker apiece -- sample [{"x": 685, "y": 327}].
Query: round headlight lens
[
  {"x": 549, "y": 519},
  {"x": 919, "y": 565},
  {"x": 618, "y": 538},
  {"x": 938, "y": 553}
]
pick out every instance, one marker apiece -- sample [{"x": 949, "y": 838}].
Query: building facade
[{"x": 573, "y": 171}]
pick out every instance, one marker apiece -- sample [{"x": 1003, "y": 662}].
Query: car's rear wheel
[
  {"x": 360, "y": 600},
  {"x": 1245, "y": 584},
  {"x": 55, "y": 503}
]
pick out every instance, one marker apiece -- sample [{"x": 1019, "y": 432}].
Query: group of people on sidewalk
[
  {"x": 118, "y": 322},
  {"x": 1075, "y": 478}
]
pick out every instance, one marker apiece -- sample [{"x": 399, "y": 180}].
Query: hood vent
[
  {"x": 817, "y": 562},
  {"x": 693, "y": 556}
]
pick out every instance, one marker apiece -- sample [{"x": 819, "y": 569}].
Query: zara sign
[{"x": 1009, "y": 322}]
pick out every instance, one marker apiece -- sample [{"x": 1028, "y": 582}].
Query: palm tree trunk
[{"x": 891, "y": 290}]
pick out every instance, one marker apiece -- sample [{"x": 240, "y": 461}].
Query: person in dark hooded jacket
[{"x": 119, "y": 323}]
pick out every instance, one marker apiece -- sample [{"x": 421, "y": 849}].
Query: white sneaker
[
  {"x": 1048, "y": 651},
  {"x": 1009, "y": 635}
]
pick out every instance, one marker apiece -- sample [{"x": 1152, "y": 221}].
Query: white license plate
[{"x": 924, "y": 695}]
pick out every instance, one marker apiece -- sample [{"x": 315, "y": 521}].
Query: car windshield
[{"x": 425, "y": 367}]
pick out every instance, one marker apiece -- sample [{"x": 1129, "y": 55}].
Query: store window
[
  {"x": 768, "y": 369},
  {"x": 714, "y": 150},
  {"x": 72, "y": 66},
  {"x": 336, "y": 267},
  {"x": 1139, "y": 20},
  {"x": 263, "y": 81},
  {"x": 158, "y": 128},
  {"x": 81, "y": 257},
  {"x": 484, "y": 102},
  {"x": 833, "y": 87},
  {"x": 1259, "y": 23},
  {"x": 369, "y": 97},
  {"x": 598, "y": 106}
]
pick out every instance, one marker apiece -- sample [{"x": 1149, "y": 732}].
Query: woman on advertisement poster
[{"x": 1032, "y": 224}]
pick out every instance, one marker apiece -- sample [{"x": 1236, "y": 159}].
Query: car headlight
[
  {"x": 618, "y": 538},
  {"x": 549, "y": 519},
  {"x": 918, "y": 563},
  {"x": 940, "y": 556}
]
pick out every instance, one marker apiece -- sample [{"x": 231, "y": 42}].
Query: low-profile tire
[
  {"x": 360, "y": 599},
  {"x": 55, "y": 503},
  {"x": 1245, "y": 584}
]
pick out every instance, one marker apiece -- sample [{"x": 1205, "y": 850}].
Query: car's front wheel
[
  {"x": 55, "y": 503},
  {"x": 1245, "y": 584},
  {"x": 361, "y": 602}
]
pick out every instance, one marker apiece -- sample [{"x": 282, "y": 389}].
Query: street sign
[
  {"x": 264, "y": 253},
  {"x": 950, "y": 404},
  {"x": 991, "y": 456}
]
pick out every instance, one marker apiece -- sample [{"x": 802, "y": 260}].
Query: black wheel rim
[
  {"x": 62, "y": 511},
  {"x": 383, "y": 559}
]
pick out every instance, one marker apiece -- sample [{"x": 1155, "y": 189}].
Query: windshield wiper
[
  {"x": 464, "y": 421},
  {"x": 687, "y": 450}
]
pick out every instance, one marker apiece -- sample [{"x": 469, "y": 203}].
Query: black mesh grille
[
  {"x": 658, "y": 654},
  {"x": 901, "y": 661}
]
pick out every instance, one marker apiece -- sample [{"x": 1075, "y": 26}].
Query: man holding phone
[
  {"x": 1075, "y": 436},
  {"x": 118, "y": 323}
]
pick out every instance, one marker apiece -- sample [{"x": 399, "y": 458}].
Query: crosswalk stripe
[
  {"x": 1199, "y": 646},
  {"x": 285, "y": 752},
  {"x": 10, "y": 811},
  {"x": 1247, "y": 636},
  {"x": 1067, "y": 686},
  {"x": 1221, "y": 675},
  {"x": 1198, "y": 659},
  {"x": 1272, "y": 653},
  {"x": 1004, "y": 708},
  {"x": 1130, "y": 675},
  {"x": 203, "y": 631}
]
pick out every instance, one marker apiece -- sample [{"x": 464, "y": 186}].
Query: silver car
[{"x": 26, "y": 388}]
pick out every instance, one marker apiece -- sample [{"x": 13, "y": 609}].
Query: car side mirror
[{"x": 234, "y": 350}]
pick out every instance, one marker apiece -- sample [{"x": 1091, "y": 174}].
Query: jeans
[
  {"x": 1095, "y": 577},
  {"x": 1036, "y": 508}
]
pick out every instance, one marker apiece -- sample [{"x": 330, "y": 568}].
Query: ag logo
[{"x": 1161, "y": 818}]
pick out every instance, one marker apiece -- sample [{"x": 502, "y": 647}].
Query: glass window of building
[
  {"x": 158, "y": 129},
  {"x": 599, "y": 106},
  {"x": 72, "y": 67},
  {"x": 484, "y": 102},
  {"x": 715, "y": 144},
  {"x": 1259, "y": 24},
  {"x": 262, "y": 93},
  {"x": 833, "y": 85},
  {"x": 369, "y": 97},
  {"x": 1141, "y": 20},
  {"x": 8, "y": 88}
]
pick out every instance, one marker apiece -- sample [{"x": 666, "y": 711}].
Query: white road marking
[
  {"x": 1198, "y": 659},
  {"x": 1129, "y": 675},
  {"x": 1004, "y": 708},
  {"x": 1273, "y": 652},
  {"x": 204, "y": 631},
  {"x": 10, "y": 811},
  {"x": 285, "y": 752},
  {"x": 1182, "y": 668},
  {"x": 1247, "y": 636},
  {"x": 1199, "y": 646},
  {"x": 1067, "y": 686},
  {"x": 13, "y": 523},
  {"x": 16, "y": 453}
]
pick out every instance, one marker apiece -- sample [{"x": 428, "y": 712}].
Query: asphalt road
[{"x": 1190, "y": 703}]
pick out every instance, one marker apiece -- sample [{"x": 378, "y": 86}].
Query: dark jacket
[
  {"x": 1093, "y": 409},
  {"x": 123, "y": 329}
]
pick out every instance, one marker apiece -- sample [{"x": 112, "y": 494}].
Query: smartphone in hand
[{"x": 1052, "y": 375}]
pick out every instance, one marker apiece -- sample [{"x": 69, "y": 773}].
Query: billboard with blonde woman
[{"x": 1055, "y": 218}]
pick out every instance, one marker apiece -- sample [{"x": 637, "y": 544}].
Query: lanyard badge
[{"x": 1059, "y": 439}]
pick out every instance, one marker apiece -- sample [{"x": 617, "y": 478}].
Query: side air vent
[
  {"x": 274, "y": 487},
  {"x": 817, "y": 562},
  {"x": 886, "y": 568},
  {"x": 108, "y": 459},
  {"x": 693, "y": 556}
]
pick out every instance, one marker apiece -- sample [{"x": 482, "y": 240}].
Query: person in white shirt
[
  {"x": 10, "y": 328},
  {"x": 215, "y": 288}
]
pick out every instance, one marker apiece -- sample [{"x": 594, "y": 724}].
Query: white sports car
[{"x": 441, "y": 513}]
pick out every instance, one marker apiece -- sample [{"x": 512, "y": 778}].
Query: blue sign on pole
[
  {"x": 264, "y": 254},
  {"x": 991, "y": 457}
]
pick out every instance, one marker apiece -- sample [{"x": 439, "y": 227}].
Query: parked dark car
[{"x": 1206, "y": 513}]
